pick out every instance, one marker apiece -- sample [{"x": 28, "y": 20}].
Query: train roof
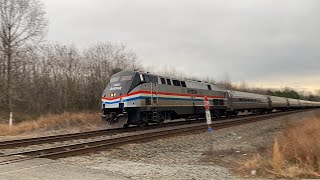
[
  {"x": 191, "y": 83},
  {"x": 245, "y": 94},
  {"x": 218, "y": 87}
]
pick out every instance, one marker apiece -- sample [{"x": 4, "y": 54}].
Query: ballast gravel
[{"x": 189, "y": 156}]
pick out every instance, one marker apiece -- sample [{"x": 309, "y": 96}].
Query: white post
[
  {"x": 209, "y": 121},
  {"x": 10, "y": 119}
]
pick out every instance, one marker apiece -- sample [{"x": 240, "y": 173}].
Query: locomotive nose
[{"x": 114, "y": 96}]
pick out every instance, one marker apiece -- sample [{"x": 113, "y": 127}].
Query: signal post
[{"x": 209, "y": 121}]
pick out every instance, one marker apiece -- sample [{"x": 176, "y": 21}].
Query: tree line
[
  {"x": 290, "y": 93},
  {"x": 57, "y": 78},
  {"x": 37, "y": 77}
]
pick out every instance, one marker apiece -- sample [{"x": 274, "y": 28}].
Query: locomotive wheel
[
  {"x": 125, "y": 126},
  {"x": 142, "y": 124},
  {"x": 161, "y": 121},
  {"x": 121, "y": 122}
]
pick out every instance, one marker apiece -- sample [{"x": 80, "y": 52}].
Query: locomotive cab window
[
  {"x": 209, "y": 87},
  {"x": 183, "y": 84},
  {"x": 176, "y": 82},
  {"x": 163, "y": 81},
  {"x": 146, "y": 78},
  {"x": 141, "y": 78},
  {"x": 168, "y": 81}
]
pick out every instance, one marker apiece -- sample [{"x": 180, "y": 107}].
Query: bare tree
[{"x": 22, "y": 23}]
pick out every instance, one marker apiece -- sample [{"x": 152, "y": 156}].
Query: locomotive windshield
[
  {"x": 114, "y": 79},
  {"x": 121, "y": 78},
  {"x": 126, "y": 78},
  {"x": 121, "y": 83}
]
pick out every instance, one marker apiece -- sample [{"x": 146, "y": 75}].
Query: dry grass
[
  {"x": 295, "y": 153},
  {"x": 277, "y": 161},
  {"x": 254, "y": 163},
  {"x": 68, "y": 122},
  {"x": 300, "y": 149}
]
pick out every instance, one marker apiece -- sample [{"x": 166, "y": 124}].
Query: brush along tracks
[{"x": 139, "y": 136}]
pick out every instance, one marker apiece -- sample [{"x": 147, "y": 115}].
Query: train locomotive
[{"x": 139, "y": 98}]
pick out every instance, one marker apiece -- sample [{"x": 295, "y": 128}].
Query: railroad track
[
  {"x": 81, "y": 135},
  {"x": 96, "y": 145},
  {"x": 10, "y": 144}
]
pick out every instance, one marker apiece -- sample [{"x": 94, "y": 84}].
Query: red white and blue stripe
[{"x": 138, "y": 95}]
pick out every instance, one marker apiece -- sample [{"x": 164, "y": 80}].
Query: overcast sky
[{"x": 267, "y": 43}]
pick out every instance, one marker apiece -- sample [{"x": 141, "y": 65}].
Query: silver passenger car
[
  {"x": 240, "y": 101},
  {"x": 278, "y": 103},
  {"x": 294, "y": 103}
]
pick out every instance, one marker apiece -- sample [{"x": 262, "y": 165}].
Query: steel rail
[
  {"x": 9, "y": 144},
  {"x": 97, "y": 145}
]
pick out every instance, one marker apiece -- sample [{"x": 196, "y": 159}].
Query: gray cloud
[{"x": 250, "y": 40}]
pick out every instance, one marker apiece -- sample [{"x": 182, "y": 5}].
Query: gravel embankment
[{"x": 188, "y": 156}]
